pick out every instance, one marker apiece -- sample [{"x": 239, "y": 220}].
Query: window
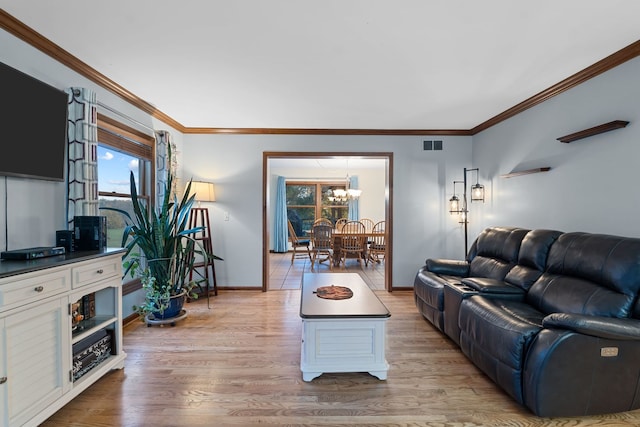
[
  {"x": 308, "y": 201},
  {"x": 122, "y": 150}
]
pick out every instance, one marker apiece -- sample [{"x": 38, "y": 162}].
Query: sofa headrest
[
  {"x": 534, "y": 249},
  {"x": 610, "y": 261},
  {"x": 532, "y": 259},
  {"x": 495, "y": 251},
  {"x": 500, "y": 242}
]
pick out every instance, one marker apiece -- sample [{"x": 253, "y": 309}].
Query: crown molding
[
  {"x": 606, "y": 64},
  {"x": 311, "y": 131}
]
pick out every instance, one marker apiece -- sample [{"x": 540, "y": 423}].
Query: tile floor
[{"x": 284, "y": 275}]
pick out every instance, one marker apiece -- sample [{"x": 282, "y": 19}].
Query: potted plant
[{"x": 167, "y": 250}]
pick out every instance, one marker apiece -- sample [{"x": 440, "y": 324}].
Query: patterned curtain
[
  {"x": 82, "y": 177},
  {"x": 280, "y": 227},
  {"x": 163, "y": 141},
  {"x": 354, "y": 206}
]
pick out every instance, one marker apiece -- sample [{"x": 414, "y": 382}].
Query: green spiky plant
[{"x": 168, "y": 245}]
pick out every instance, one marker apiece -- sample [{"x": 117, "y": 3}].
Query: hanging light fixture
[
  {"x": 353, "y": 193},
  {"x": 454, "y": 202},
  {"x": 337, "y": 195},
  {"x": 348, "y": 193},
  {"x": 477, "y": 190}
]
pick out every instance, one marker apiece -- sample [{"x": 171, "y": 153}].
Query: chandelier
[
  {"x": 346, "y": 194},
  {"x": 343, "y": 195}
]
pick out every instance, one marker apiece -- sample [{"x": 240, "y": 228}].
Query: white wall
[
  {"x": 422, "y": 227},
  {"x": 593, "y": 183}
]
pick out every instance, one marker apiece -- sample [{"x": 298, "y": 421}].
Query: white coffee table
[{"x": 345, "y": 335}]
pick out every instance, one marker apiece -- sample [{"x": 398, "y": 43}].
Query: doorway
[{"x": 268, "y": 157}]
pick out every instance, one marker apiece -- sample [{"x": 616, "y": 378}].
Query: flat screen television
[{"x": 33, "y": 127}]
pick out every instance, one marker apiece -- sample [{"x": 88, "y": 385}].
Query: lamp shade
[
  {"x": 203, "y": 191},
  {"x": 454, "y": 204},
  {"x": 477, "y": 193}
]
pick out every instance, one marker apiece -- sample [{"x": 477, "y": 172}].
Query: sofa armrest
[
  {"x": 448, "y": 267},
  {"x": 598, "y": 326},
  {"x": 492, "y": 286}
]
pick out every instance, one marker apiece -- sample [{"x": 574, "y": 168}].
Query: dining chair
[
  {"x": 296, "y": 242},
  {"x": 378, "y": 242},
  {"x": 368, "y": 227},
  {"x": 322, "y": 243},
  {"x": 355, "y": 244},
  {"x": 368, "y": 224},
  {"x": 325, "y": 221},
  {"x": 340, "y": 223}
]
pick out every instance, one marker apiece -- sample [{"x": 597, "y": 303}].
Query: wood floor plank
[{"x": 238, "y": 364}]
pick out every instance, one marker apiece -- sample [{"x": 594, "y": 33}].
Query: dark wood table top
[
  {"x": 14, "y": 267},
  {"x": 363, "y": 303}
]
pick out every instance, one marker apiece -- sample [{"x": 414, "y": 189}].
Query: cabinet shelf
[
  {"x": 525, "y": 172},
  {"x": 104, "y": 366},
  {"x": 89, "y": 326},
  {"x": 616, "y": 124}
]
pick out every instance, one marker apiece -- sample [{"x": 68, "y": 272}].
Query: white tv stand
[{"x": 36, "y": 333}]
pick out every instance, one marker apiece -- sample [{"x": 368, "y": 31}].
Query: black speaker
[
  {"x": 64, "y": 238},
  {"x": 90, "y": 232}
]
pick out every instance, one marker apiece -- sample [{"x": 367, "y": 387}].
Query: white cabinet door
[
  {"x": 4, "y": 400},
  {"x": 35, "y": 349}
]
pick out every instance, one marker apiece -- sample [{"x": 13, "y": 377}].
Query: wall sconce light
[{"x": 460, "y": 206}]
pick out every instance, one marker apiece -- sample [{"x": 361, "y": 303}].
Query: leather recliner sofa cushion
[
  {"x": 497, "y": 251},
  {"x": 496, "y": 334}
]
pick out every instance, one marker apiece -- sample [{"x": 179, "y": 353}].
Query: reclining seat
[
  {"x": 491, "y": 255},
  {"x": 572, "y": 346},
  {"x": 532, "y": 262}
]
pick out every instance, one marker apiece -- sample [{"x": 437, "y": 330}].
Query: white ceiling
[{"x": 334, "y": 64}]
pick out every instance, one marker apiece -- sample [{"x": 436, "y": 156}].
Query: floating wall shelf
[
  {"x": 525, "y": 172},
  {"x": 616, "y": 124}
]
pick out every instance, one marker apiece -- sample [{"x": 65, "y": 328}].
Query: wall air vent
[{"x": 430, "y": 145}]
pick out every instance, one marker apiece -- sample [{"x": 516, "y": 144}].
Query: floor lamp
[
  {"x": 203, "y": 192},
  {"x": 460, "y": 207}
]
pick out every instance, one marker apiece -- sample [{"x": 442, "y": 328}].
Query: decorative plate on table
[{"x": 334, "y": 292}]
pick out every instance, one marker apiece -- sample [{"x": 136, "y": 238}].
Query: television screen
[{"x": 33, "y": 127}]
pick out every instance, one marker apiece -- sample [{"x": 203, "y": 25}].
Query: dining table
[{"x": 337, "y": 239}]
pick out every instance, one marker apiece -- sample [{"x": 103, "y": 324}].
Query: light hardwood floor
[
  {"x": 237, "y": 364},
  {"x": 285, "y": 275}
]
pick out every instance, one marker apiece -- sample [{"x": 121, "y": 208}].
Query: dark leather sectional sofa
[{"x": 553, "y": 318}]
